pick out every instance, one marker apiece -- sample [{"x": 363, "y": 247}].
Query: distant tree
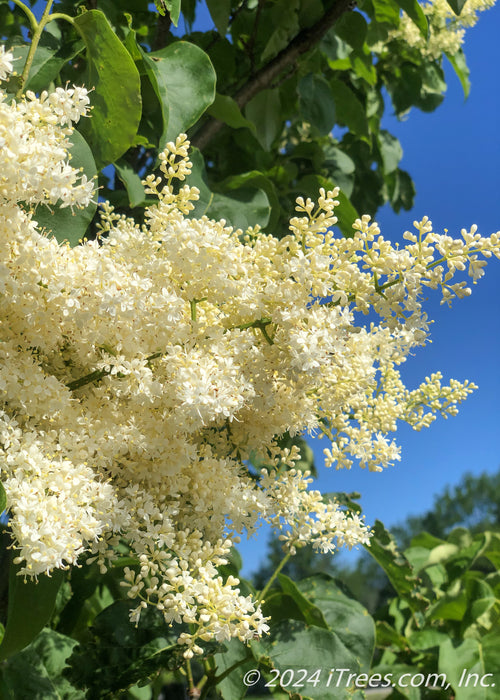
[{"x": 474, "y": 503}]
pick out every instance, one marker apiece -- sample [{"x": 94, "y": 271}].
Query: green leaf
[
  {"x": 67, "y": 224},
  {"x": 432, "y": 87},
  {"x": 116, "y": 98},
  {"x": 132, "y": 182},
  {"x": 334, "y": 48},
  {"x": 386, "y": 12},
  {"x": 119, "y": 654},
  {"x": 421, "y": 557},
  {"x": 173, "y": 7},
  {"x": 244, "y": 208},
  {"x": 310, "y": 11},
  {"x": 404, "y": 87},
  {"x": 415, "y": 13},
  {"x": 387, "y": 636},
  {"x": 220, "y": 11},
  {"x": 3, "y": 499},
  {"x": 233, "y": 686},
  {"x": 316, "y": 103},
  {"x": 425, "y": 539},
  {"x": 421, "y": 640},
  {"x": 284, "y": 21},
  {"x": 350, "y": 111},
  {"x": 312, "y": 614},
  {"x": 184, "y": 78},
  {"x": 345, "y": 617},
  {"x": 390, "y": 150},
  {"x": 472, "y": 667},
  {"x": 340, "y": 169},
  {"x": 401, "y": 190},
  {"x": 492, "y": 551},
  {"x": 256, "y": 179},
  {"x": 384, "y": 550},
  {"x": 363, "y": 67},
  {"x": 47, "y": 62},
  {"x": 156, "y": 110},
  {"x": 392, "y": 674},
  {"x": 37, "y": 671},
  {"x": 225, "y": 109},
  {"x": 452, "y": 606},
  {"x": 351, "y": 27},
  {"x": 457, "y": 5},
  {"x": 264, "y": 111},
  {"x": 480, "y": 596},
  {"x": 89, "y": 597},
  {"x": 459, "y": 64},
  {"x": 198, "y": 178},
  {"x": 346, "y": 215},
  {"x": 297, "y": 647},
  {"x": 280, "y": 606},
  {"x": 467, "y": 555},
  {"x": 30, "y": 607}
]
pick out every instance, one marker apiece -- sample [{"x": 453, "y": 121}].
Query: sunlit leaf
[{"x": 116, "y": 95}]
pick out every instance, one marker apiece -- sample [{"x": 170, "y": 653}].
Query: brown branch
[
  {"x": 162, "y": 32},
  {"x": 265, "y": 77}
]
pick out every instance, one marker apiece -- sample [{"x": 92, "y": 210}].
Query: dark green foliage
[
  {"x": 286, "y": 75},
  {"x": 37, "y": 672},
  {"x": 119, "y": 654},
  {"x": 30, "y": 607}
]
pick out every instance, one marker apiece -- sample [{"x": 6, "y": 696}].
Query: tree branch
[
  {"x": 264, "y": 77},
  {"x": 162, "y": 31}
]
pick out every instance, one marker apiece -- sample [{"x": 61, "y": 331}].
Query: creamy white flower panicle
[
  {"x": 34, "y": 141},
  {"x": 446, "y": 29},
  {"x": 142, "y": 372}
]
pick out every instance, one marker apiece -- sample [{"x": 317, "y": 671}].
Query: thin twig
[{"x": 37, "y": 33}]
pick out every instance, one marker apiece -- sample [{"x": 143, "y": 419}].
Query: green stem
[
  {"x": 87, "y": 379},
  {"x": 260, "y": 324},
  {"x": 29, "y": 14},
  {"x": 189, "y": 675},
  {"x": 268, "y": 585},
  {"x": 266, "y": 335},
  {"x": 192, "y": 305},
  {"x": 99, "y": 374},
  {"x": 61, "y": 15},
  {"x": 251, "y": 324},
  {"x": 37, "y": 33}
]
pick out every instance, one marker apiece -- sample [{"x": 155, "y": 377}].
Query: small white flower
[{"x": 6, "y": 65}]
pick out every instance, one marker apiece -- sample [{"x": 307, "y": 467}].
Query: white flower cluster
[
  {"x": 142, "y": 372},
  {"x": 6, "y": 65},
  {"x": 34, "y": 145},
  {"x": 446, "y": 29}
]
